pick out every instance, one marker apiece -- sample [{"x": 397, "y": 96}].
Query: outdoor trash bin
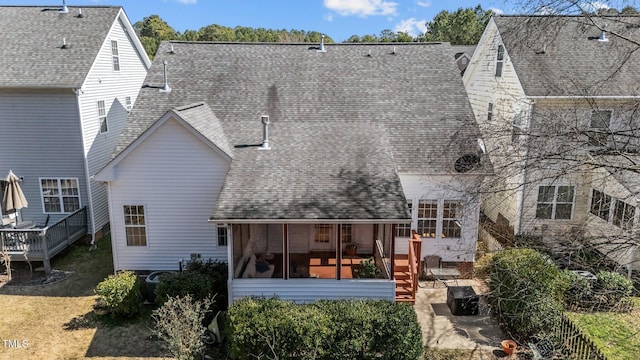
[{"x": 462, "y": 300}]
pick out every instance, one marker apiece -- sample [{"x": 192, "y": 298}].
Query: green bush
[
  {"x": 120, "y": 293},
  {"x": 611, "y": 288},
  {"x": 579, "y": 294},
  {"x": 526, "y": 291},
  {"x": 179, "y": 322},
  {"x": 200, "y": 279},
  {"x": 355, "y": 329},
  {"x": 367, "y": 269}
]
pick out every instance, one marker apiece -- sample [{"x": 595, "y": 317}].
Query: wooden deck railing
[
  {"x": 42, "y": 244},
  {"x": 415, "y": 248}
]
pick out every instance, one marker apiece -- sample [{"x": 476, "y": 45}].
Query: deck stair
[{"x": 406, "y": 271}]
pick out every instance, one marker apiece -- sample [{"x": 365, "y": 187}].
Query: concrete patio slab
[{"x": 442, "y": 329}]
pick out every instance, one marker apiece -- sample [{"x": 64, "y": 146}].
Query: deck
[{"x": 42, "y": 244}]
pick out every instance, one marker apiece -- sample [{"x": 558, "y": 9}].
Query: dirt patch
[{"x": 22, "y": 275}]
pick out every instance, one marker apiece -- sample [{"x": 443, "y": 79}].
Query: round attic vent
[{"x": 466, "y": 163}]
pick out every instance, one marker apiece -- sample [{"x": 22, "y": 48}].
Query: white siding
[
  {"x": 460, "y": 188},
  {"x": 40, "y": 137},
  {"x": 309, "y": 290},
  {"x": 103, "y": 83},
  {"x": 177, "y": 178}
]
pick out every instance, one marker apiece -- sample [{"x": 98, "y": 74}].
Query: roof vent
[
  {"x": 394, "y": 51},
  {"x": 322, "y": 49},
  {"x": 65, "y": 9},
  {"x": 265, "y": 133},
  {"x": 165, "y": 87},
  {"x": 64, "y": 44},
  {"x": 603, "y": 34},
  {"x": 80, "y": 13},
  {"x": 171, "y": 51}
]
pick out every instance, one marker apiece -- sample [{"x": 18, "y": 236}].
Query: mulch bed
[{"x": 22, "y": 275}]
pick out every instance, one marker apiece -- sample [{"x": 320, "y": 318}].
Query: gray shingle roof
[
  {"x": 343, "y": 123},
  {"x": 200, "y": 116},
  {"x": 561, "y": 55},
  {"x": 31, "y": 54}
]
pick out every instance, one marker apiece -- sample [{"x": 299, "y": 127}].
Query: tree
[
  {"x": 461, "y": 27},
  {"x": 152, "y": 30}
]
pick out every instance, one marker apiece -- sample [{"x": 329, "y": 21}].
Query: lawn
[
  {"x": 56, "y": 321},
  {"x": 616, "y": 334}
]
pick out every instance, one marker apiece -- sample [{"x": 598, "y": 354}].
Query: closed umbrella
[{"x": 13, "y": 196}]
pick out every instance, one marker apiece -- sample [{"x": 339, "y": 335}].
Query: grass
[
  {"x": 616, "y": 334},
  {"x": 56, "y": 321}
]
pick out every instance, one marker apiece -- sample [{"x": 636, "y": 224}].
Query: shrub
[
  {"x": 611, "y": 288},
  {"x": 526, "y": 291},
  {"x": 201, "y": 279},
  {"x": 579, "y": 294},
  {"x": 362, "y": 329},
  {"x": 120, "y": 293},
  {"x": 179, "y": 323},
  {"x": 367, "y": 269}
]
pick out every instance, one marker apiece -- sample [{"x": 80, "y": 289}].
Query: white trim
[
  {"x": 60, "y": 196},
  {"x": 116, "y": 56},
  {"x": 310, "y": 221},
  {"x": 131, "y": 34},
  {"x": 554, "y": 202},
  {"x": 146, "y": 224},
  {"x": 582, "y": 97},
  {"x": 114, "y": 247}
]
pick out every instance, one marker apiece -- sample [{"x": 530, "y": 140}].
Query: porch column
[
  {"x": 393, "y": 250},
  {"x": 285, "y": 250},
  {"x": 339, "y": 254}
]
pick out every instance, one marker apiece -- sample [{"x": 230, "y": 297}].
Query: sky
[{"x": 338, "y": 19}]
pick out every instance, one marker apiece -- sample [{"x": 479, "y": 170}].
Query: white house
[
  {"x": 279, "y": 158},
  {"x": 557, "y": 100},
  {"x": 68, "y": 78}
]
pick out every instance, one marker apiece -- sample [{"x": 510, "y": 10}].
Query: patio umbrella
[{"x": 13, "y": 196}]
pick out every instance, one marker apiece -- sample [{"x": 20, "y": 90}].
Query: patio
[{"x": 441, "y": 329}]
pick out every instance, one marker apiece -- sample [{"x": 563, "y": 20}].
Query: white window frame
[
  {"x": 499, "y": 60},
  {"x": 601, "y": 208},
  {"x": 347, "y": 236},
  {"x": 60, "y": 196},
  {"x": 128, "y": 105},
  {"x": 420, "y": 212},
  {"x": 600, "y": 135},
  {"x": 450, "y": 223},
  {"x": 115, "y": 55},
  {"x": 490, "y": 108},
  {"x": 103, "y": 124},
  {"x": 404, "y": 230},
  {"x": 135, "y": 226},
  {"x": 624, "y": 222},
  {"x": 554, "y": 202},
  {"x": 222, "y": 233},
  {"x": 322, "y": 230}
]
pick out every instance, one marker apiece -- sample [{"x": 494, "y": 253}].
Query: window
[
  {"x": 115, "y": 56},
  {"x": 404, "y": 230},
  {"x": 623, "y": 215},
  {"x": 599, "y": 128},
  {"x": 427, "y": 218},
  {"x": 499, "y": 61},
  {"x": 223, "y": 235},
  {"x": 135, "y": 225},
  {"x": 555, "y": 202},
  {"x": 346, "y": 233},
  {"x": 451, "y": 217},
  {"x": 322, "y": 233},
  {"x": 600, "y": 204},
  {"x": 102, "y": 117},
  {"x": 517, "y": 126},
  {"x": 127, "y": 102},
  {"x": 490, "y": 111},
  {"x": 60, "y": 195}
]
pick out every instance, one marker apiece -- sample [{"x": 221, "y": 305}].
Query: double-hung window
[
  {"x": 135, "y": 225},
  {"x": 599, "y": 131},
  {"x": 623, "y": 215},
  {"x": 322, "y": 233},
  {"x": 600, "y": 204},
  {"x": 499, "y": 61},
  {"x": 346, "y": 233},
  {"x": 427, "y": 218},
  {"x": 555, "y": 202},
  {"x": 60, "y": 195},
  {"x": 102, "y": 117},
  {"x": 128, "y": 105},
  {"x": 223, "y": 235},
  {"x": 489, "y": 111},
  {"x": 451, "y": 219},
  {"x": 115, "y": 56},
  {"x": 404, "y": 230}
]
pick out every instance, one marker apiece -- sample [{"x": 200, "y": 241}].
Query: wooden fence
[{"x": 572, "y": 340}]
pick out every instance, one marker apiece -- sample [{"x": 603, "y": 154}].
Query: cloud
[
  {"x": 329, "y": 17},
  {"x": 425, "y": 4},
  {"x": 412, "y": 26},
  {"x": 187, "y": 2},
  {"x": 594, "y": 6},
  {"x": 362, "y": 8},
  {"x": 497, "y": 11}
]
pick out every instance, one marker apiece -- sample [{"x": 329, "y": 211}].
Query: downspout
[
  {"x": 86, "y": 172},
  {"x": 523, "y": 178}
]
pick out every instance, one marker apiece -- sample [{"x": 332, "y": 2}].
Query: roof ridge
[{"x": 306, "y": 43}]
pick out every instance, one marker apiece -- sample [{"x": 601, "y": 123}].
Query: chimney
[
  {"x": 265, "y": 133},
  {"x": 65, "y": 9},
  {"x": 165, "y": 87}
]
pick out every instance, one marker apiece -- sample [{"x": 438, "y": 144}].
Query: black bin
[{"x": 462, "y": 300}]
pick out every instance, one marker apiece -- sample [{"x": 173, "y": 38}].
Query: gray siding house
[
  {"x": 68, "y": 80},
  {"x": 295, "y": 163}
]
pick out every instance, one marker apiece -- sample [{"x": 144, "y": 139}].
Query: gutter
[{"x": 310, "y": 221}]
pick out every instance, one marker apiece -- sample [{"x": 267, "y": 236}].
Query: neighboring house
[
  {"x": 67, "y": 82},
  {"x": 557, "y": 99},
  {"x": 462, "y": 55},
  {"x": 278, "y": 158}
]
